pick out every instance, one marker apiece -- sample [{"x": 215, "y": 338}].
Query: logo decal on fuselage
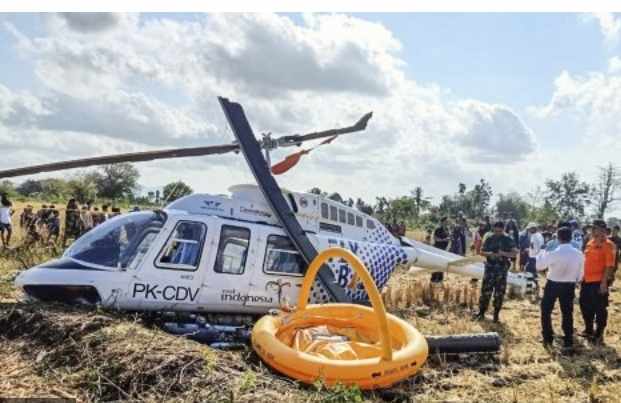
[{"x": 236, "y": 296}]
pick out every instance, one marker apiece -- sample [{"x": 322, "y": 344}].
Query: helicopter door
[
  {"x": 174, "y": 281},
  {"x": 226, "y": 287},
  {"x": 279, "y": 272}
]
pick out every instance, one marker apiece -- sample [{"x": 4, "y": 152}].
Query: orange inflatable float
[{"x": 340, "y": 343}]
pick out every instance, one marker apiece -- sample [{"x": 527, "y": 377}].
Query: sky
[{"x": 512, "y": 98}]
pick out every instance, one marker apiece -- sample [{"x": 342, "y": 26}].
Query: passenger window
[
  {"x": 342, "y": 216},
  {"x": 350, "y": 219},
  {"x": 281, "y": 257},
  {"x": 334, "y": 213},
  {"x": 183, "y": 249},
  {"x": 232, "y": 250},
  {"x": 370, "y": 224},
  {"x": 324, "y": 210},
  {"x": 358, "y": 221}
]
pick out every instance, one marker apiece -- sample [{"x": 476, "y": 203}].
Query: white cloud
[
  {"x": 91, "y": 22},
  {"x": 494, "y": 133},
  {"x": 609, "y": 25},
  {"x": 102, "y": 85},
  {"x": 592, "y": 103}
]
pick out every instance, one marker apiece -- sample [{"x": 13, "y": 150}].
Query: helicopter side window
[
  {"x": 342, "y": 216},
  {"x": 334, "y": 213},
  {"x": 350, "y": 219},
  {"x": 358, "y": 221},
  {"x": 281, "y": 257},
  {"x": 324, "y": 210},
  {"x": 370, "y": 224},
  {"x": 232, "y": 250},
  {"x": 183, "y": 249}
]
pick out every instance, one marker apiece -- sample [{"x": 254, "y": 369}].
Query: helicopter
[{"x": 231, "y": 256}]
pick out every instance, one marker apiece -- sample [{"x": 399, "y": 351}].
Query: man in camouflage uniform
[
  {"x": 72, "y": 222},
  {"x": 499, "y": 248}
]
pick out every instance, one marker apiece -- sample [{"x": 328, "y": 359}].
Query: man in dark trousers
[
  {"x": 599, "y": 259},
  {"x": 441, "y": 239},
  {"x": 499, "y": 248},
  {"x": 616, "y": 239},
  {"x": 565, "y": 265}
]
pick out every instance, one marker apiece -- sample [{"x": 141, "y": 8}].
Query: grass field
[{"x": 92, "y": 355}]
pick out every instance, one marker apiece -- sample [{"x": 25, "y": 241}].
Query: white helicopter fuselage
[{"x": 207, "y": 253}]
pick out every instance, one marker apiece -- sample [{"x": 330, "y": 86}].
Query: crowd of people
[
  {"x": 43, "y": 225},
  {"x": 571, "y": 255}
]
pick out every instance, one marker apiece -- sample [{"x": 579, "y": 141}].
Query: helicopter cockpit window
[
  {"x": 281, "y": 257},
  {"x": 232, "y": 250},
  {"x": 120, "y": 242},
  {"x": 183, "y": 249}
]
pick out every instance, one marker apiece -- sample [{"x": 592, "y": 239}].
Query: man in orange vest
[{"x": 599, "y": 260}]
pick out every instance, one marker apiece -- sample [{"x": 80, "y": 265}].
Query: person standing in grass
[
  {"x": 616, "y": 239},
  {"x": 565, "y": 265},
  {"x": 6, "y": 227},
  {"x": 498, "y": 248},
  {"x": 599, "y": 256},
  {"x": 72, "y": 221},
  {"x": 441, "y": 239}
]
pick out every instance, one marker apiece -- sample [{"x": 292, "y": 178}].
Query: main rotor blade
[
  {"x": 297, "y": 139},
  {"x": 114, "y": 159}
]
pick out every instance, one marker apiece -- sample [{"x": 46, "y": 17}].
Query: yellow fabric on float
[{"x": 340, "y": 343}]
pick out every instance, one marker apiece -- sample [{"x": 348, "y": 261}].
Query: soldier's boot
[
  {"x": 479, "y": 316},
  {"x": 496, "y": 315}
]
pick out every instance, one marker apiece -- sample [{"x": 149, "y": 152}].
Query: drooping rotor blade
[
  {"x": 114, "y": 159},
  {"x": 297, "y": 139}
]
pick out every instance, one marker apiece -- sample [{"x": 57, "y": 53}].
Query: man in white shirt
[
  {"x": 565, "y": 267},
  {"x": 535, "y": 244}
]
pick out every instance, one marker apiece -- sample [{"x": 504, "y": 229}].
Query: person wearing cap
[
  {"x": 565, "y": 265},
  {"x": 598, "y": 270},
  {"x": 535, "y": 244},
  {"x": 498, "y": 248}
]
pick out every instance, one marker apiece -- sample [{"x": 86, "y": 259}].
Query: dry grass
[{"x": 93, "y": 356}]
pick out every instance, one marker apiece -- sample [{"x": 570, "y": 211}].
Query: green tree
[
  {"x": 479, "y": 199},
  {"x": 362, "y": 206},
  {"x": 605, "y": 190},
  {"x": 30, "y": 187},
  {"x": 116, "y": 181},
  {"x": 176, "y": 190},
  {"x": 7, "y": 188},
  {"x": 82, "y": 188},
  {"x": 545, "y": 214},
  {"x": 568, "y": 196},
  {"x": 421, "y": 203},
  {"x": 53, "y": 189},
  {"x": 512, "y": 205}
]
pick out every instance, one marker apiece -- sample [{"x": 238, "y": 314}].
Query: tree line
[
  {"x": 562, "y": 198},
  {"x": 116, "y": 182}
]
